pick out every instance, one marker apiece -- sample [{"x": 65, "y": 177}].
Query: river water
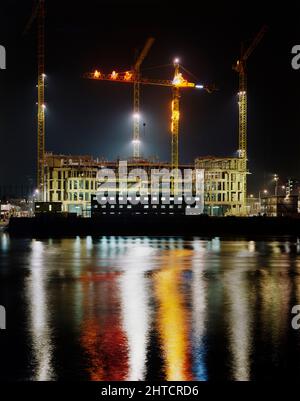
[{"x": 141, "y": 308}]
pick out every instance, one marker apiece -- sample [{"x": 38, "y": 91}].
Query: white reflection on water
[
  {"x": 39, "y": 325},
  {"x": 4, "y": 242},
  {"x": 237, "y": 294},
  {"x": 135, "y": 321},
  {"x": 135, "y": 299},
  {"x": 199, "y": 306}
]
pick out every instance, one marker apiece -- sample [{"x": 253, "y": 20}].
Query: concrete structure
[
  {"x": 72, "y": 180},
  {"x": 223, "y": 185}
]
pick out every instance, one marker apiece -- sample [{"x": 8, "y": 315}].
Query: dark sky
[{"x": 90, "y": 117}]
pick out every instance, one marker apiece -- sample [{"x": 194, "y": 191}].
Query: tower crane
[
  {"x": 136, "y": 98},
  {"x": 38, "y": 14},
  {"x": 177, "y": 83},
  {"x": 240, "y": 68}
]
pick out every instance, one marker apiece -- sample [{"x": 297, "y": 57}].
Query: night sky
[{"x": 90, "y": 117}]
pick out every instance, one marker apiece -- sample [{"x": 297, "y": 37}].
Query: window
[
  {"x": 87, "y": 187},
  {"x": 75, "y": 184}
]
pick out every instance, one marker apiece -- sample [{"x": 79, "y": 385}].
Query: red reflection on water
[{"x": 103, "y": 338}]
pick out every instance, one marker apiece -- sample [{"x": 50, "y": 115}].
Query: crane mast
[
  {"x": 175, "y": 121},
  {"x": 240, "y": 68},
  {"x": 41, "y": 100},
  {"x": 242, "y": 103},
  {"x": 38, "y": 14}
]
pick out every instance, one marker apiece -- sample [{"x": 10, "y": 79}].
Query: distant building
[
  {"x": 15, "y": 208},
  {"x": 253, "y": 206},
  {"x": 224, "y": 185},
  {"x": 279, "y": 206}
]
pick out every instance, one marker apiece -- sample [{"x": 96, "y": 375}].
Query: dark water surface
[{"x": 118, "y": 308}]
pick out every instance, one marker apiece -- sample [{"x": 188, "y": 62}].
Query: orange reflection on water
[{"x": 172, "y": 318}]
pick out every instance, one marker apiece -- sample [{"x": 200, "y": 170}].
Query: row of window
[
  {"x": 74, "y": 184},
  {"x": 220, "y": 176},
  {"x": 223, "y": 197},
  {"x": 222, "y": 186},
  {"x": 71, "y": 196},
  {"x": 108, "y": 206},
  {"x": 224, "y": 165},
  {"x": 82, "y": 184},
  {"x": 63, "y": 174}
]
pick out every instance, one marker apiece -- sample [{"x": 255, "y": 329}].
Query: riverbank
[{"x": 161, "y": 225}]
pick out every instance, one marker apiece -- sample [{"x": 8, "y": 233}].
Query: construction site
[{"x": 67, "y": 183}]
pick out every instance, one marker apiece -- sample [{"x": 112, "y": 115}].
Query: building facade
[
  {"x": 224, "y": 183},
  {"x": 280, "y": 206},
  {"x": 72, "y": 180}
]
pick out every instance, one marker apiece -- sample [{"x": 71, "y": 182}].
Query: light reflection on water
[{"x": 118, "y": 308}]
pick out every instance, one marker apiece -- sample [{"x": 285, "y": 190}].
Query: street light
[
  {"x": 276, "y": 178},
  {"x": 265, "y": 191}
]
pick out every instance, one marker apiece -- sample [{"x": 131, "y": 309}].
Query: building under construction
[
  {"x": 72, "y": 180},
  {"x": 224, "y": 183}
]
